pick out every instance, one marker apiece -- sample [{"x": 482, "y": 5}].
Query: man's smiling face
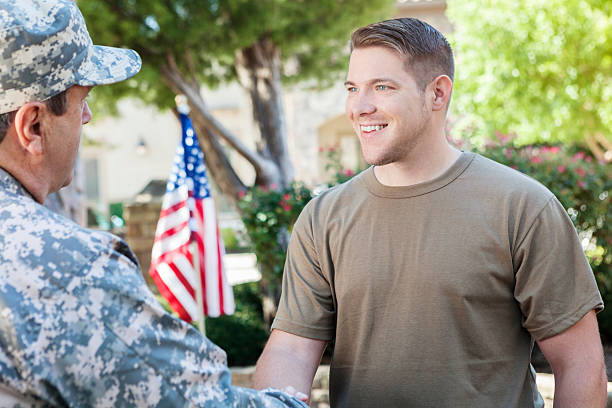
[{"x": 385, "y": 105}]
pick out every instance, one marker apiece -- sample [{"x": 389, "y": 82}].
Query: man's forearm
[
  {"x": 279, "y": 368},
  {"x": 579, "y": 389},
  {"x": 288, "y": 360}
]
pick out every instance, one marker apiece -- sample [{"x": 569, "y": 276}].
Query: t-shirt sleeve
[
  {"x": 307, "y": 306},
  {"x": 555, "y": 286}
]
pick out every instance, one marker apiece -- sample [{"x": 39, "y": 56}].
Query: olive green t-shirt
[{"x": 434, "y": 293}]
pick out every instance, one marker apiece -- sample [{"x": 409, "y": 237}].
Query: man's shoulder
[
  {"x": 502, "y": 180},
  {"x": 340, "y": 194},
  {"x": 37, "y": 235}
]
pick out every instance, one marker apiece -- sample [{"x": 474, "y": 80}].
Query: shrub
[
  {"x": 333, "y": 165},
  {"x": 268, "y": 215},
  {"x": 243, "y": 334}
]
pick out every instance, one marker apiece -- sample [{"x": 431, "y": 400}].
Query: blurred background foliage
[{"x": 540, "y": 69}]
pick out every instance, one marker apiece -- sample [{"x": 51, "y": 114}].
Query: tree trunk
[
  {"x": 600, "y": 147},
  {"x": 270, "y": 291},
  {"x": 210, "y": 131},
  {"x": 259, "y": 71}
]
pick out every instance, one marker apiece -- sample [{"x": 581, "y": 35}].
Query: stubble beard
[{"x": 403, "y": 147}]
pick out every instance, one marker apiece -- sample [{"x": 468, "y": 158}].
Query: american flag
[{"x": 188, "y": 224}]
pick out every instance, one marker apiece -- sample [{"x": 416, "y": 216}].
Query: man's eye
[
  {"x": 381, "y": 87},
  {"x": 352, "y": 89}
]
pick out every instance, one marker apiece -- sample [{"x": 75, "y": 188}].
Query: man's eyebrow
[{"x": 375, "y": 81}]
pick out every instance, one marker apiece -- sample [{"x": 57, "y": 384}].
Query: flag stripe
[
  {"x": 181, "y": 276},
  {"x": 171, "y": 231},
  {"x": 172, "y": 209},
  {"x": 172, "y": 243},
  {"x": 178, "y": 290},
  {"x": 220, "y": 274},
  {"x": 169, "y": 296}
]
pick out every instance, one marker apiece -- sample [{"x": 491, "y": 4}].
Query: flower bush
[
  {"x": 583, "y": 186},
  {"x": 333, "y": 165},
  {"x": 268, "y": 215}
]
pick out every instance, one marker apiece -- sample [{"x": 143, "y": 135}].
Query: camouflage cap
[{"x": 45, "y": 48}]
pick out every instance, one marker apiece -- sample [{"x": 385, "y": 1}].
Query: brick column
[{"x": 140, "y": 223}]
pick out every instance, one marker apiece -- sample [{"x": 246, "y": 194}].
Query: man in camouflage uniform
[{"x": 78, "y": 326}]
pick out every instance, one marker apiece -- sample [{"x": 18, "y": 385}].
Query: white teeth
[{"x": 371, "y": 128}]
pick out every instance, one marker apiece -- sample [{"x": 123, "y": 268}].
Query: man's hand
[
  {"x": 289, "y": 361},
  {"x": 292, "y": 392},
  {"x": 576, "y": 358}
]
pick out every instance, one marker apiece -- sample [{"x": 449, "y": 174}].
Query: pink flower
[
  {"x": 588, "y": 159},
  {"x": 508, "y": 153},
  {"x": 321, "y": 149},
  {"x": 579, "y": 171},
  {"x": 287, "y": 197},
  {"x": 348, "y": 172},
  {"x": 514, "y": 166},
  {"x": 536, "y": 159},
  {"x": 554, "y": 149},
  {"x": 241, "y": 193},
  {"x": 578, "y": 156},
  {"x": 581, "y": 184},
  {"x": 273, "y": 186},
  {"x": 561, "y": 168}
]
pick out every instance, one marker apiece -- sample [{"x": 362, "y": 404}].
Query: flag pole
[{"x": 183, "y": 107}]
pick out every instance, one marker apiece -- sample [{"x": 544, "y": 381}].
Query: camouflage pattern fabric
[
  {"x": 45, "y": 48},
  {"x": 80, "y": 328}
]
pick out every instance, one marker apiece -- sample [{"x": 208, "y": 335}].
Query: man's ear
[
  {"x": 28, "y": 127},
  {"x": 441, "y": 88}
]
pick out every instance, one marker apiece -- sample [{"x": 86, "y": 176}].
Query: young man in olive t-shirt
[{"x": 435, "y": 270}]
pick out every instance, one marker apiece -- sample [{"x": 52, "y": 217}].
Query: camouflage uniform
[{"x": 80, "y": 328}]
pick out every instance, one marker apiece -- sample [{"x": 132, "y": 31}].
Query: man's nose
[
  {"x": 360, "y": 105},
  {"x": 86, "y": 114}
]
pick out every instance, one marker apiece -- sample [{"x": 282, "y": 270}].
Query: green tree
[
  {"x": 541, "y": 69},
  {"x": 188, "y": 44}
]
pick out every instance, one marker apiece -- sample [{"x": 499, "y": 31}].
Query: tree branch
[
  {"x": 180, "y": 85},
  {"x": 604, "y": 156}
]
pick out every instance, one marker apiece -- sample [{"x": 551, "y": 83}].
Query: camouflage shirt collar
[{"x": 10, "y": 184}]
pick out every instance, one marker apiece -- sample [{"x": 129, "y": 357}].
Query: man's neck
[
  {"x": 24, "y": 174},
  {"x": 424, "y": 164}
]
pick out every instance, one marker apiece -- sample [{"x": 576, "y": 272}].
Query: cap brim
[{"x": 107, "y": 65}]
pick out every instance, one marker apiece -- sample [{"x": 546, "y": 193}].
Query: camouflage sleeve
[{"x": 98, "y": 337}]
